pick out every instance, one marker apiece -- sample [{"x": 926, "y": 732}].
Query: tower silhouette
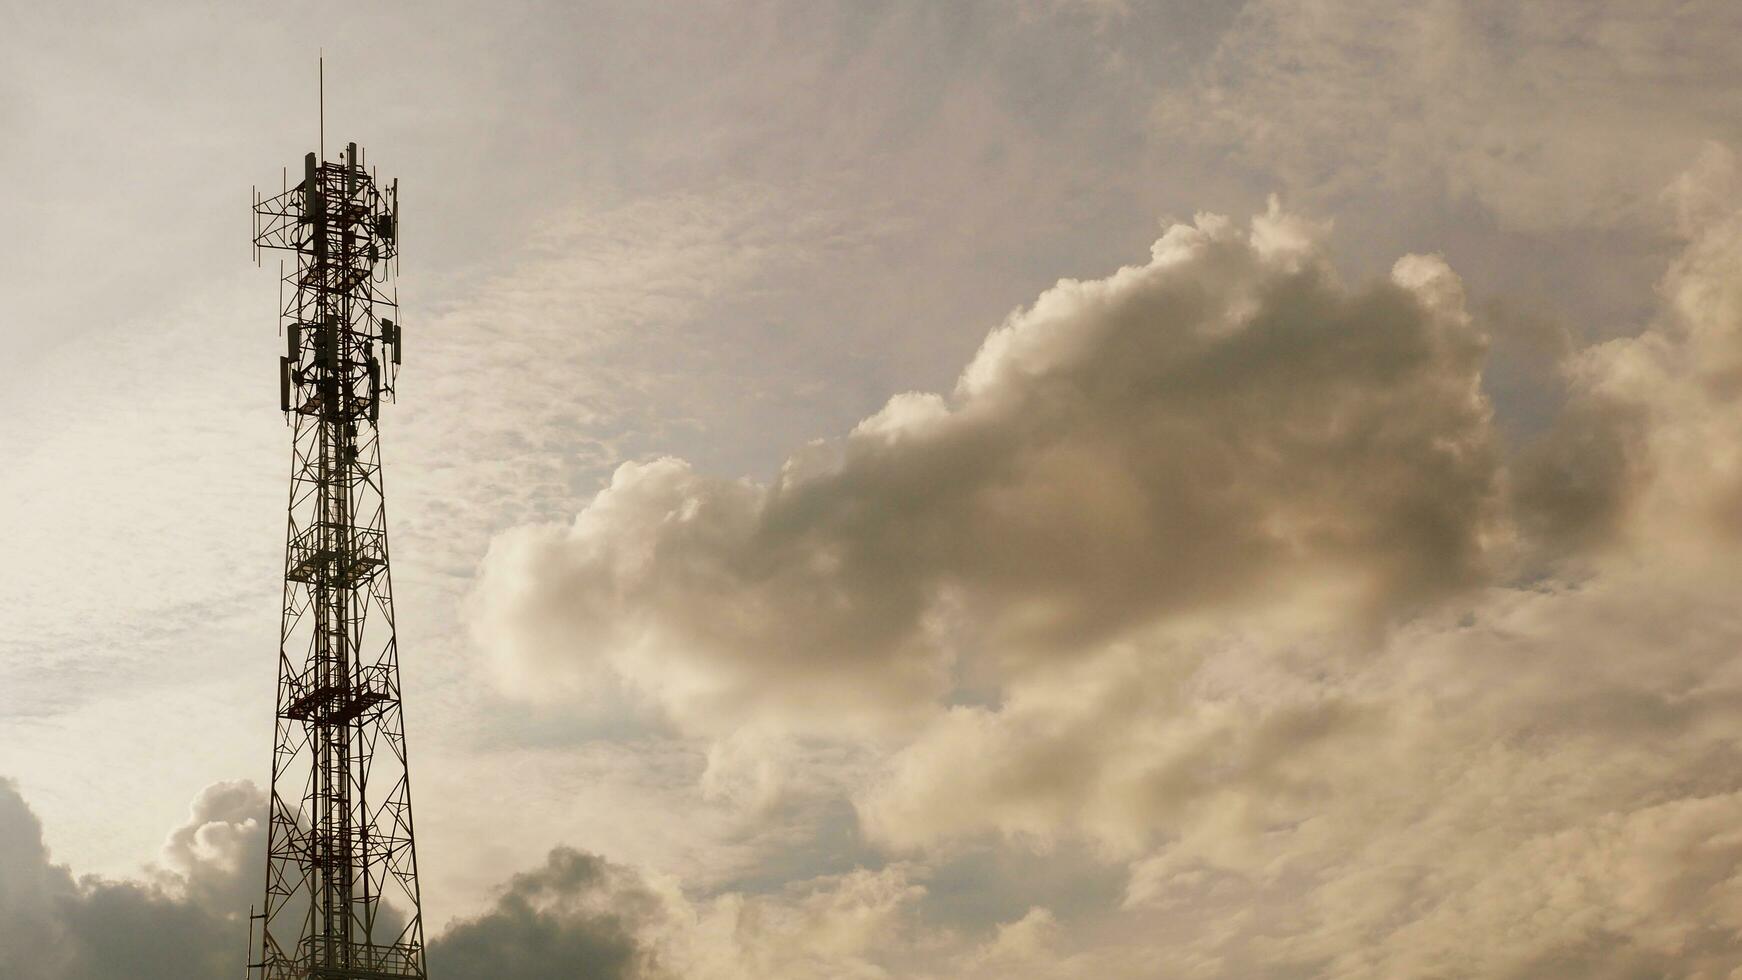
[{"x": 342, "y": 900}]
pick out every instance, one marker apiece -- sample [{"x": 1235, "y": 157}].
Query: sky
[{"x": 1022, "y": 489}]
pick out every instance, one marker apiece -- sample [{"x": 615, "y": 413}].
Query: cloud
[
  {"x": 1549, "y": 115},
  {"x": 1547, "y": 761},
  {"x": 581, "y": 916},
  {"x": 1143, "y": 739},
  {"x": 182, "y": 921},
  {"x": 574, "y": 917},
  {"x": 577, "y": 917},
  {"x": 1224, "y": 427},
  {"x": 29, "y": 889},
  {"x": 1574, "y": 487},
  {"x": 847, "y": 925},
  {"x": 1130, "y": 546},
  {"x": 1548, "y": 765},
  {"x": 1286, "y": 795},
  {"x": 1643, "y": 448}
]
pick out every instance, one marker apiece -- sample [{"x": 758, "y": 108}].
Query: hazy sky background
[{"x": 799, "y": 577}]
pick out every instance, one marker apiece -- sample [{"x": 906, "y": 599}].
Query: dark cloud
[
  {"x": 577, "y": 917},
  {"x": 1573, "y": 487},
  {"x": 181, "y": 922}
]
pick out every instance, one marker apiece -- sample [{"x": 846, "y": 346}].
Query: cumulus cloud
[
  {"x": 1645, "y": 445},
  {"x": 1222, "y": 428},
  {"x": 1548, "y": 767}
]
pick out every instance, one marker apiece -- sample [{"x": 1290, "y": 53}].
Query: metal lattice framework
[{"x": 342, "y": 898}]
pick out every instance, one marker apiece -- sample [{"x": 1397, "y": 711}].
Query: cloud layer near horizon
[{"x": 577, "y": 916}]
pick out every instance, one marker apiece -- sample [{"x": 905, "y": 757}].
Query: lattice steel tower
[{"x": 341, "y": 871}]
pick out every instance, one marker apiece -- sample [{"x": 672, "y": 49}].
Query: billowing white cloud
[
  {"x": 1223, "y": 429},
  {"x": 1548, "y": 766}
]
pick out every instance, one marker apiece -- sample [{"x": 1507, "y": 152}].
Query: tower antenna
[{"x": 342, "y": 895}]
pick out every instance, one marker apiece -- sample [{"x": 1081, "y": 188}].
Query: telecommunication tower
[{"x": 342, "y": 899}]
